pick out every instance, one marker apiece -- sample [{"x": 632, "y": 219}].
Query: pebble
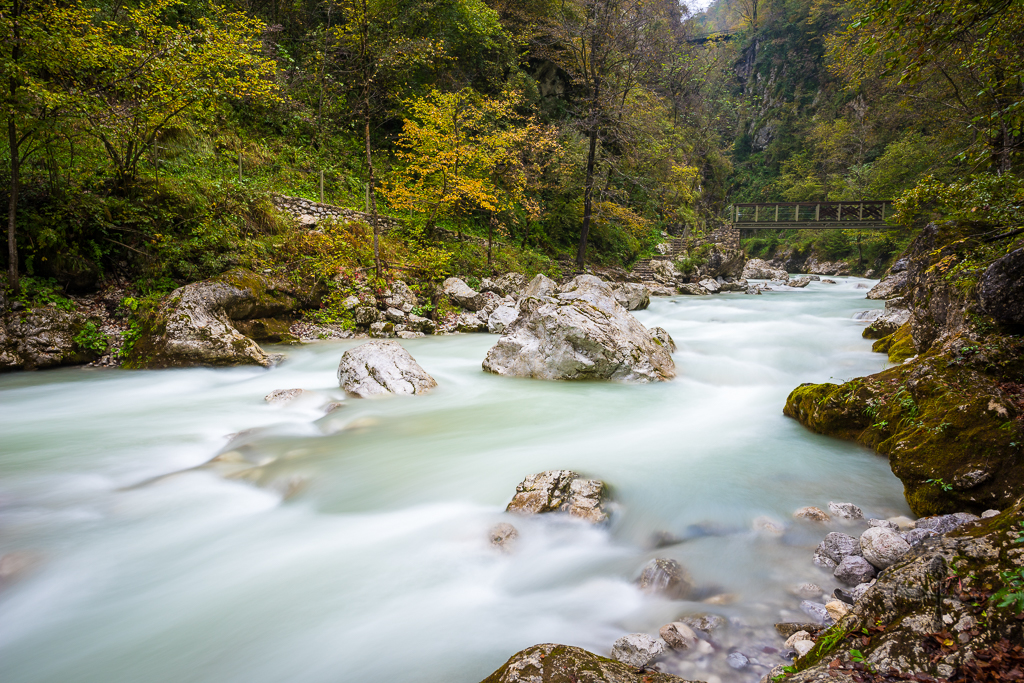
[
  {"x": 737, "y": 660},
  {"x": 806, "y": 591},
  {"x": 813, "y": 514},
  {"x": 989, "y": 513}
]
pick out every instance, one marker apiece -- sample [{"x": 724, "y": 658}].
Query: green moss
[{"x": 899, "y": 345}]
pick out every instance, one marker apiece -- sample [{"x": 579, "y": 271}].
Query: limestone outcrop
[
  {"x": 578, "y": 332},
  {"x": 41, "y": 338},
  {"x": 193, "y": 325},
  {"x": 377, "y": 368}
]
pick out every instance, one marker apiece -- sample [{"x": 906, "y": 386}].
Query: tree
[
  {"x": 376, "y": 57},
  {"x": 462, "y": 155},
  {"x": 30, "y": 106},
  {"x": 131, "y": 78},
  {"x": 960, "y": 57},
  {"x": 608, "y": 48}
]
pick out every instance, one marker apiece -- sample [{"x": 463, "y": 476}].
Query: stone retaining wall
[{"x": 310, "y": 212}]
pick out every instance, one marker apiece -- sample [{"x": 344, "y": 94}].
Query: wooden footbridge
[{"x": 811, "y": 215}]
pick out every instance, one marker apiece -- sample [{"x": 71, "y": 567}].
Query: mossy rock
[
  {"x": 899, "y": 345},
  {"x": 271, "y": 330},
  {"x": 550, "y": 663},
  {"x": 953, "y": 436},
  {"x": 197, "y": 324}
]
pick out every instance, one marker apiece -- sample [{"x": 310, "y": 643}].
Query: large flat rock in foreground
[
  {"x": 579, "y": 332},
  {"x": 550, "y": 663}
]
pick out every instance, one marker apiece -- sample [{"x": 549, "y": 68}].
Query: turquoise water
[{"x": 356, "y": 546}]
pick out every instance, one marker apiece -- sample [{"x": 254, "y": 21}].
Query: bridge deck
[{"x": 811, "y": 215}]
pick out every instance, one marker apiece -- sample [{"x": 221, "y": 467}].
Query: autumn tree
[{"x": 461, "y": 153}]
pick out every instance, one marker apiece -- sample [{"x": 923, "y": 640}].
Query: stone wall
[{"x": 309, "y": 213}]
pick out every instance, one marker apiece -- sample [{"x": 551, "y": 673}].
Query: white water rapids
[{"x": 124, "y": 564}]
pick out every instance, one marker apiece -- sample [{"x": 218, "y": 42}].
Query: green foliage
[
  {"x": 92, "y": 339},
  {"x": 980, "y": 198},
  {"x": 43, "y": 291},
  {"x": 939, "y": 483}
]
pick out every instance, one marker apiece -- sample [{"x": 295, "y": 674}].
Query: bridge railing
[{"x": 863, "y": 214}]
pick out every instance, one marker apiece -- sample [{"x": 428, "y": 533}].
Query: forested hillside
[{"x": 145, "y": 138}]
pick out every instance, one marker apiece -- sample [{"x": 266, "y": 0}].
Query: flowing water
[{"x": 353, "y": 545}]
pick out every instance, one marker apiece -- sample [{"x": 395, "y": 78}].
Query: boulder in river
[
  {"x": 692, "y": 289},
  {"x": 583, "y": 333},
  {"x": 382, "y": 367},
  {"x": 845, "y": 510},
  {"x": 812, "y": 514},
  {"x": 193, "y": 324},
  {"x": 678, "y": 636},
  {"x": 560, "y": 491},
  {"x": 551, "y": 663},
  {"x": 637, "y": 649},
  {"x": 837, "y": 546},
  {"x": 278, "y": 396},
  {"x": 461, "y": 294},
  {"x": 891, "y": 286},
  {"x": 503, "y": 535},
  {"x": 896, "y": 315},
  {"x": 667, "y": 577},
  {"x": 758, "y": 269}
]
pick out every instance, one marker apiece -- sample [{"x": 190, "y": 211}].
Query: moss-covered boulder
[
  {"x": 194, "y": 324},
  {"x": 937, "y": 611},
  {"x": 951, "y": 430},
  {"x": 43, "y": 337},
  {"x": 550, "y": 663}
]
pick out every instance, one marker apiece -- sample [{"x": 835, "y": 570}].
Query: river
[{"x": 354, "y": 545}]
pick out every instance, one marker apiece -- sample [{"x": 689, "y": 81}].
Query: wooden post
[
  {"x": 776, "y": 213},
  {"x": 796, "y": 214},
  {"x": 817, "y": 212},
  {"x": 860, "y": 216},
  {"x": 367, "y": 197},
  {"x": 757, "y": 208},
  {"x": 239, "y": 165},
  {"x": 839, "y": 213},
  {"x": 883, "y": 212},
  {"x": 321, "y": 186}
]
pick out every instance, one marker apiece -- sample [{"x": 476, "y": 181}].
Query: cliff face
[{"x": 950, "y": 418}]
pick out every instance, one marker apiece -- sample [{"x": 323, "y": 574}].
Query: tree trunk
[
  {"x": 15, "y": 151},
  {"x": 588, "y": 197},
  {"x": 12, "y": 243},
  {"x": 375, "y": 224}
]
